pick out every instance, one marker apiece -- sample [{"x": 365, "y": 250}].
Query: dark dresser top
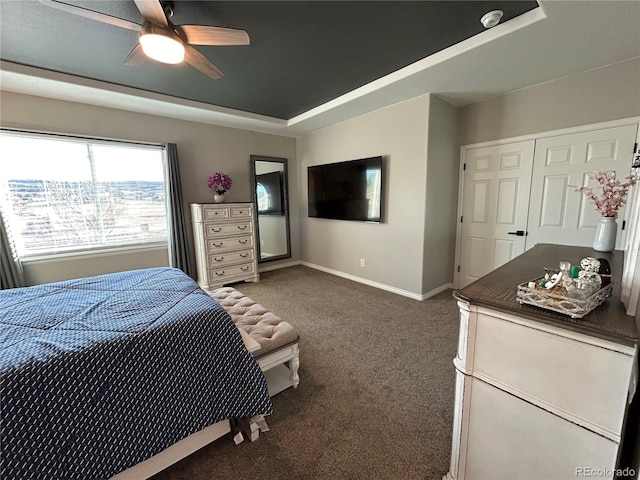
[{"x": 497, "y": 290}]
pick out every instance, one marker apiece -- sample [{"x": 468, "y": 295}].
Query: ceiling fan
[{"x": 160, "y": 39}]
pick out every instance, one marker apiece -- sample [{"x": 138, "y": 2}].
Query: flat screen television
[
  {"x": 269, "y": 193},
  {"x": 349, "y": 190}
]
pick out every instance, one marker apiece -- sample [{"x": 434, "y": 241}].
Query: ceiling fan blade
[
  {"x": 205, "y": 35},
  {"x": 136, "y": 57},
  {"x": 152, "y": 11},
  {"x": 194, "y": 58},
  {"x": 100, "y": 17}
]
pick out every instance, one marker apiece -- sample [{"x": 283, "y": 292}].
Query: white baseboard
[
  {"x": 381, "y": 286},
  {"x": 436, "y": 291}
]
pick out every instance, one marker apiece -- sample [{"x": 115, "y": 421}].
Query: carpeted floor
[{"x": 376, "y": 391}]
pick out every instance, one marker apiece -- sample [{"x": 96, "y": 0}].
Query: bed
[{"x": 102, "y": 373}]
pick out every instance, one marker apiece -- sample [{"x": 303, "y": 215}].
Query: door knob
[{"x": 519, "y": 233}]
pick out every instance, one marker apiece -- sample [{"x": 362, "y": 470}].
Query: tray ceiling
[{"x": 303, "y": 54}]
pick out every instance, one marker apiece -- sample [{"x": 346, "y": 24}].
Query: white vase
[
  {"x": 605, "y": 238},
  {"x": 218, "y": 197}
]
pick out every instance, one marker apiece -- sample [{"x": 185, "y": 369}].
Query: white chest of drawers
[
  {"x": 540, "y": 395},
  {"x": 225, "y": 243}
]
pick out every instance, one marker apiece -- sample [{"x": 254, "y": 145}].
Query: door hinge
[
  {"x": 458, "y": 268},
  {"x": 636, "y": 156},
  {"x": 460, "y": 218},
  {"x": 464, "y": 166},
  {"x": 624, "y": 224}
]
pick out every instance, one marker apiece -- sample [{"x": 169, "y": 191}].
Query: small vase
[
  {"x": 218, "y": 197},
  {"x": 605, "y": 238}
]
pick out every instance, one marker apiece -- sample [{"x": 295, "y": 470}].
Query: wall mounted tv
[{"x": 347, "y": 190}]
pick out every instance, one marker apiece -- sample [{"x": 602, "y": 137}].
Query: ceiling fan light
[{"x": 162, "y": 48}]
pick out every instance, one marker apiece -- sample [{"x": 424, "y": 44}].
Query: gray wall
[
  {"x": 601, "y": 95},
  {"x": 441, "y": 203},
  {"x": 413, "y": 249},
  {"x": 75, "y": 266},
  {"x": 393, "y": 250},
  {"x": 203, "y": 149}
]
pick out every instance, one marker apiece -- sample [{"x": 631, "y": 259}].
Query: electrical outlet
[{"x": 362, "y": 262}]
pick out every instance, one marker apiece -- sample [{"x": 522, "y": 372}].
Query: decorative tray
[{"x": 556, "y": 301}]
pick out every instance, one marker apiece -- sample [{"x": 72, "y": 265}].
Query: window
[
  {"x": 60, "y": 194},
  {"x": 269, "y": 193},
  {"x": 373, "y": 192},
  {"x": 263, "y": 198}
]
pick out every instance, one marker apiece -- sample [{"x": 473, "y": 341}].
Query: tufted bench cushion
[
  {"x": 266, "y": 328},
  {"x": 279, "y": 352}
]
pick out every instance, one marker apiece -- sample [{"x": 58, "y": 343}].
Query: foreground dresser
[
  {"x": 540, "y": 395},
  {"x": 224, "y": 238}
]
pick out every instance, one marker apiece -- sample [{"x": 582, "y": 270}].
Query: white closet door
[
  {"x": 495, "y": 206},
  {"x": 558, "y": 213}
]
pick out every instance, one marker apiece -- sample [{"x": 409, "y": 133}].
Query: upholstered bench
[{"x": 278, "y": 355}]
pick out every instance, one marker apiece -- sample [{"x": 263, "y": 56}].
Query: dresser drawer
[
  {"x": 229, "y": 244},
  {"x": 219, "y": 275},
  {"x": 215, "y": 261},
  {"x": 509, "y": 439},
  {"x": 224, "y": 230},
  {"x": 582, "y": 382},
  {"x": 240, "y": 212},
  {"x": 215, "y": 213}
]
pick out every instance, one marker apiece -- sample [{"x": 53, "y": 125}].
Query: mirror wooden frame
[{"x": 285, "y": 204}]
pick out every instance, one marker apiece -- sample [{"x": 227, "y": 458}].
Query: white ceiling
[{"x": 559, "y": 39}]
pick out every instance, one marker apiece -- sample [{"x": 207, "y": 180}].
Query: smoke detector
[{"x": 492, "y": 18}]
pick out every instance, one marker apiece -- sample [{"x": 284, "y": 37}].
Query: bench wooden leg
[{"x": 294, "y": 364}]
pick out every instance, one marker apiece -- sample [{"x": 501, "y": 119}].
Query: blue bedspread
[{"x": 98, "y": 374}]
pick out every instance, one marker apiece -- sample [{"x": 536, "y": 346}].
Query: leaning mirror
[{"x": 271, "y": 201}]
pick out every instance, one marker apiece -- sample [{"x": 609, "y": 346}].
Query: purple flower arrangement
[
  {"x": 614, "y": 193},
  {"x": 220, "y": 182}
]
